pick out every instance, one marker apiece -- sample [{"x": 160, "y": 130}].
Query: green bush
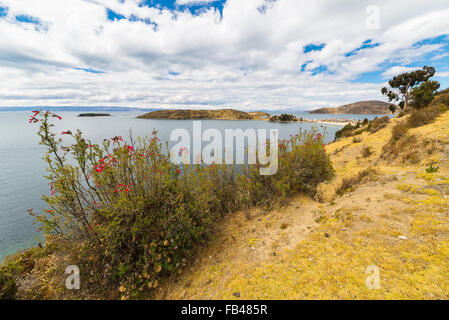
[
  {"x": 130, "y": 217},
  {"x": 346, "y": 131},
  {"x": 284, "y": 118},
  {"x": 423, "y": 95},
  {"x": 8, "y": 287}
]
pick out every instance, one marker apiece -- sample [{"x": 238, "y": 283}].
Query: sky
[{"x": 193, "y": 54}]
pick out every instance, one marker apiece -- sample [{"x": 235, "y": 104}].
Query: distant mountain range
[
  {"x": 78, "y": 109},
  {"x": 362, "y": 107}
]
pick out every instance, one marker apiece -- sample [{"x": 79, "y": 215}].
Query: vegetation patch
[
  {"x": 348, "y": 184},
  {"x": 128, "y": 217}
]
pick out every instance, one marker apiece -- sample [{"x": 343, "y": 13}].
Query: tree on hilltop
[{"x": 401, "y": 86}]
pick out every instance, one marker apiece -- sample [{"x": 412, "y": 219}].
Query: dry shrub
[
  {"x": 377, "y": 124},
  {"x": 350, "y": 182},
  {"x": 398, "y": 131},
  {"x": 366, "y": 152}
]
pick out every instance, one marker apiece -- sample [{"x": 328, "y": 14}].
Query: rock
[
  {"x": 402, "y": 237},
  {"x": 236, "y": 294},
  {"x": 326, "y": 235}
]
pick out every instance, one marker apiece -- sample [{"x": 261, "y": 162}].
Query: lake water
[{"x": 22, "y": 169}]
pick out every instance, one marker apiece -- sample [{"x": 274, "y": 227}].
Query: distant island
[
  {"x": 94, "y": 115},
  {"x": 221, "y": 114},
  {"x": 362, "y": 107}
]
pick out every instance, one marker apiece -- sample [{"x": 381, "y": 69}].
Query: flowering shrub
[{"x": 129, "y": 217}]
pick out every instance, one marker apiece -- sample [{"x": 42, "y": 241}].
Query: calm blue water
[{"x": 22, "y": 169}]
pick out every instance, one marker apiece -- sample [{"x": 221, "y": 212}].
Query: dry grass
[{"x": 348, "y": 184}]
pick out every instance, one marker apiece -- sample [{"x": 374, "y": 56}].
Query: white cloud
[
  {"x": 245, "y": 58},
  {"x": 442, "y": 74},
  {"x": 396, "y": 70}
]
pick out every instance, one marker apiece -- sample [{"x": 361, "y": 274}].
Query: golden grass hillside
[{"x": 395, "y": 217}]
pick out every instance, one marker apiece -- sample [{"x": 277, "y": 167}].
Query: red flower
[
  {"x": 178, "y": 171},
  {"x": 66, "y": 132},
  {"x": 130, "y": 149},
  {"x": 56, "y": 116},
  {"x": 33, "y": 119},
  {"x": 116, "y": 139},
  {"x": 99, "y": 167}
]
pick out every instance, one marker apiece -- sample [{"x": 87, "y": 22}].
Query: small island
[
  {"x": 221, "y": 114},
  {"x": 94, "y": 115},
  {"x": 284, "y": 118}
]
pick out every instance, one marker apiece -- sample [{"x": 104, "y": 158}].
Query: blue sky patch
[
  {"x": 368, "y": 44},
  {"x": 435, "y": 40},
  {"x": 27, "y": 19},
  {"x": 3, "y": 12},
  {"x": 318, "y": 70},
  {"x": 89, "y": 70},
  {"x": 303, "y": 67},
  {"x": 314, "y": 47},
  {"x": 114, "y": 16},
  {"x": 195, "y": 9},
  {"x": 173, "y": 73}
]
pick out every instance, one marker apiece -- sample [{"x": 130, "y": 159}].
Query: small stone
[
  {"x": 252, "y": 248},
  {"x": 327, "y": 235},
  {"x": 402, "y": 237},
  {"x": 236, "y": 294},
  {"x": 344, "y": 229}
]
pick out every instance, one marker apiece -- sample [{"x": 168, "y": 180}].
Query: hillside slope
[
  {"x": 362, "y": 107},
  {"x": 396, "y": 219}
]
